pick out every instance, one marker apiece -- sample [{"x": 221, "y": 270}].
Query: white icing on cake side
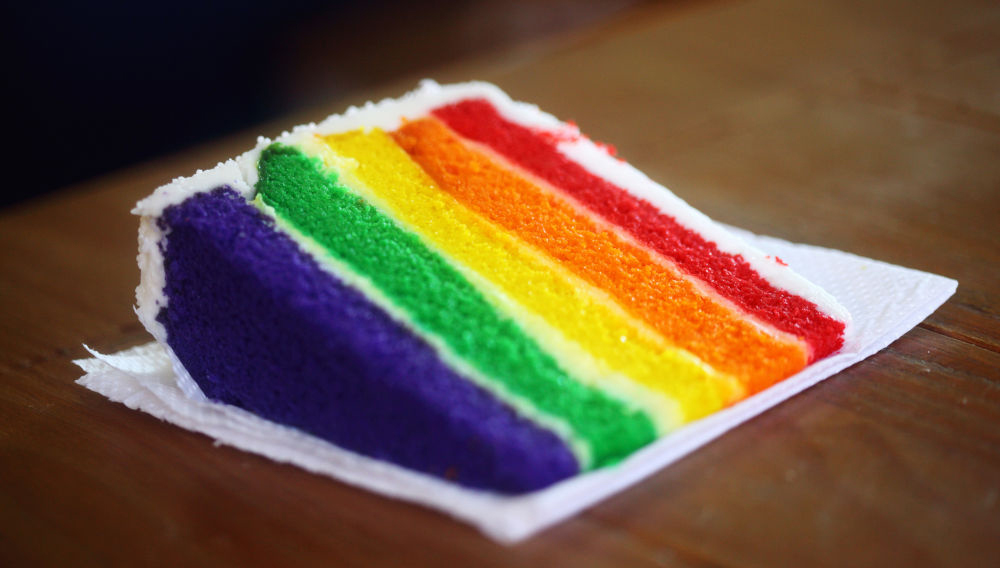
[{"x": 149, "y": 295}]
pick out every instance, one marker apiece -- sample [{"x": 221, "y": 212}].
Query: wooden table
[{"x": 868, "y": 127}]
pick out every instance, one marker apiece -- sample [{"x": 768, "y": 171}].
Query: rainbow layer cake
[{"x": 466, "y": 287}]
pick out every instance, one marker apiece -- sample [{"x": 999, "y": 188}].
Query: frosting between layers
[
  {"x": 440, "y": 302},
  {"x": 648, "y": 289},
  {"x": 727, "y": 274},
  {"x": 343, "y": 271},
  {"x": 586, "y": 331}
]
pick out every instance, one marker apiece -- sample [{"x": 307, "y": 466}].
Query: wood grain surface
[{"x": 872, "y": 127}]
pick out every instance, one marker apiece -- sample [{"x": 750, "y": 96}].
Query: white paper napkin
[{"x": 884, "y": 300}]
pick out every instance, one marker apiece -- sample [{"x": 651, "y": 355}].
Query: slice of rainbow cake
[{"x": 466, "y": 287}]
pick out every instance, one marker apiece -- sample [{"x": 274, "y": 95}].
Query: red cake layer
[{"x": 730, "y": 275}]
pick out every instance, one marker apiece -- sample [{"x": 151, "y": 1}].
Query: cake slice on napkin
[{"x": 467, "y": 287}]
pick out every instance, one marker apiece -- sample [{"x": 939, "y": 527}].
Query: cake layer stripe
[
  {"x": 384, "y": 174},
  {"x": 348, "y": 372},
  {"x": 637, "y": 280},
  {"x": 441, "y": 302},
  {"x": 728, "y": 274}
]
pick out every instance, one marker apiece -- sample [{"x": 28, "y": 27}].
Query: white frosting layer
[{"x": 241, "y": 174}]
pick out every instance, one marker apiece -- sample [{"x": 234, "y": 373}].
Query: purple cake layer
[{"x": 346, "y": 371}]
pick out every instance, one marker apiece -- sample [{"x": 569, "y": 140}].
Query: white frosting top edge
[
  {"x": 240, "y": 173},
  {"x": 178, "y": 190}
]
